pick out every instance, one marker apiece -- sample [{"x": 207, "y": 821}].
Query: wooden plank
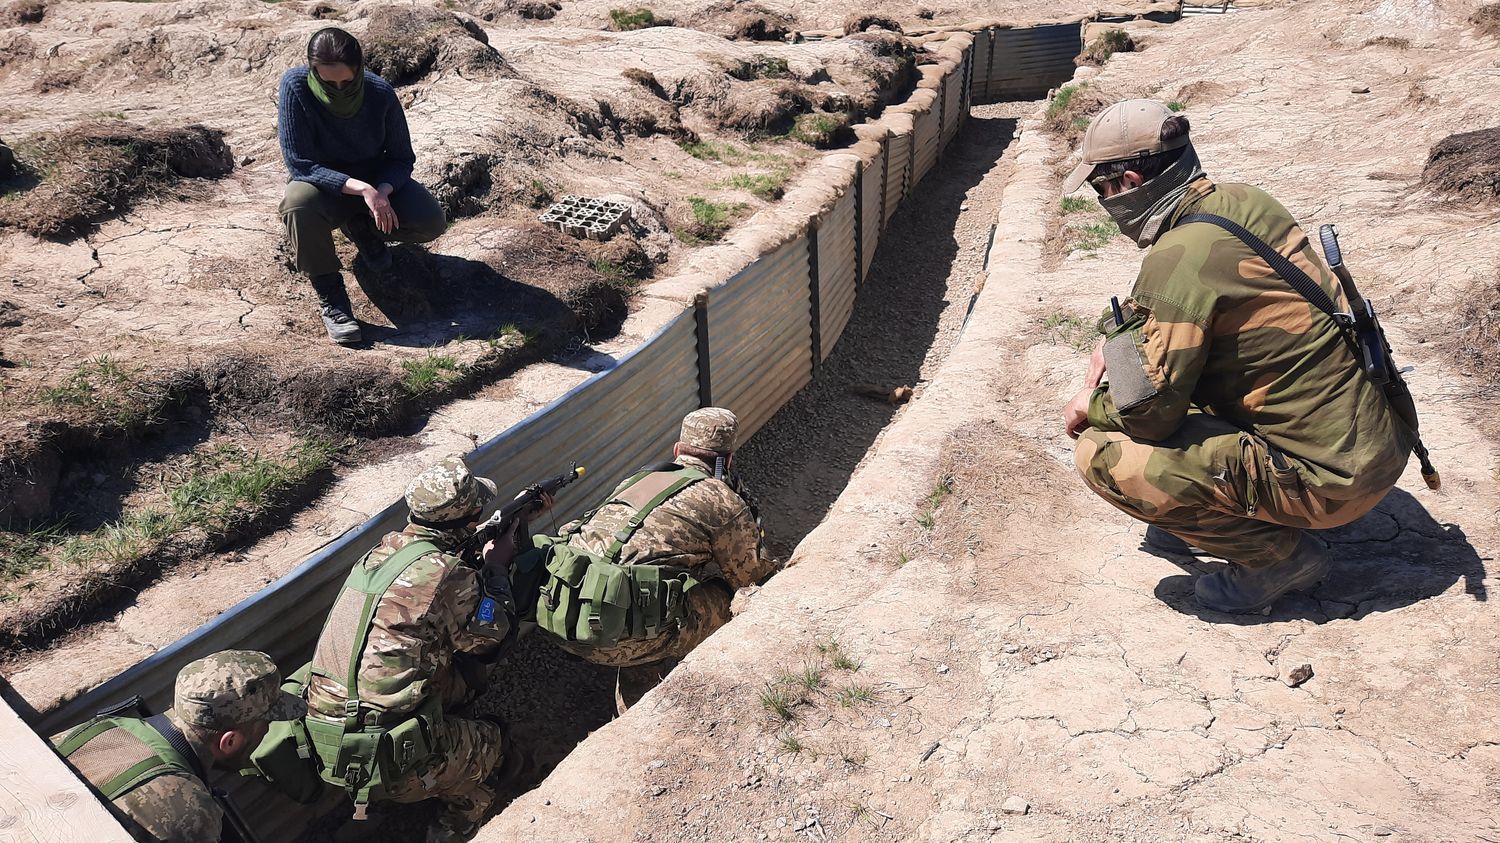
[{"x": 41, "y": 800}]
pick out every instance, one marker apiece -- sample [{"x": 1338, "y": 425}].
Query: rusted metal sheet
[
  {"x": 836, "y": 271},
  {"x": 760, "y": 333}
]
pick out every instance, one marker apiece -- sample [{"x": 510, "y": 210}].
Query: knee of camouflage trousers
[{"x": 1213, "y": 486}]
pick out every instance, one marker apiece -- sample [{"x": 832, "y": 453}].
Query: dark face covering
[
  {"x": 1141, "y": 212},
  {"x": 343, "y": 102}
]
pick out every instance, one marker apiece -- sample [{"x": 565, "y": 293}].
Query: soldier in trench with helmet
[
  {"x": 153, "y": 771},
  {"x": 681, "y": 537},
  {"x": 409, "y": 643}
]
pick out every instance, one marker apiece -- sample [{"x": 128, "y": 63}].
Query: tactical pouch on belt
[{"x": 593, "y": 600}]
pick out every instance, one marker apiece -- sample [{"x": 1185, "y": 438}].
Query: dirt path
[
  {"x": 906, "y": 320},
  {"x": 974, "y": 647}
]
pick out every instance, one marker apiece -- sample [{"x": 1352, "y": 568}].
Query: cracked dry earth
[{"x": 1005, "y": 661}]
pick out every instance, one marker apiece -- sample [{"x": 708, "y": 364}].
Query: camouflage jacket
[
  {"x": 422, "y": 620},
  {"x": 170, "y": 808},
  {"x": 1216, "y": 329},
  {"x": 707, "y": 527}
]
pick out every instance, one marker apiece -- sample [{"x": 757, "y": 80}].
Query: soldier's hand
[
  {"x": 546, "y": 506},
  {"x": 1096, "y": 365},
  {"x": 1076, "y": 413},
  {"x": 499, "y": 552}
]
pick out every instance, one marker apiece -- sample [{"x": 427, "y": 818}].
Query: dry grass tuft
[
  {"x": 1474, "y": 340},
  {"x": 860, "y": 22},
  {"x": 1388, "y": 41},
  {"x": 1486, "y": 19},
  {"x": 767, "y": 106},
  {"x": 86, "y": 173},
  {"x": 57, "y": 79},
  {"x": 757, "y": 24},
  {"x": 403, "y": 44},
  {"x": 1466, "y": 166}
]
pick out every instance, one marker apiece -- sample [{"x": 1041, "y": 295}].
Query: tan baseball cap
[{"x": 1124, "y": 130}]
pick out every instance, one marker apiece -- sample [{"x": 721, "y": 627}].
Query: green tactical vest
[
  {"x": 119, "y": 754},
  {"x": 595, "y": 600},
  {"x": 362, "y": 751}
]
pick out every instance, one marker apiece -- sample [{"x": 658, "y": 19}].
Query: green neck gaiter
[{"x": 342, "y": 103}]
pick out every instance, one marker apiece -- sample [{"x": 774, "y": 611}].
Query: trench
[{"x": 907, "y": 317}]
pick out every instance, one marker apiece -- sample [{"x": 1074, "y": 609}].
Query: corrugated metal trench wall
[{"x": 760, "y": 332}]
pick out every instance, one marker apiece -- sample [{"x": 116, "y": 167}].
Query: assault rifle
[{"x": 529, "y": 500}]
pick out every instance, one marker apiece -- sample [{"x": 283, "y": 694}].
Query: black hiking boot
[
  {"x": 374, "y": 252},
  {"x": 1244, "y": 591},
  {"x": 1159, "y": 539},
  {"x": 338, "y": 314}
]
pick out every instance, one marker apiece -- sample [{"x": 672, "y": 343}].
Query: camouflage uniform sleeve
[
  {"x": 1169, "y": 328},
  {"x": 737, "y": 550},
  {"x": 456, "y": 604},
  {"x": 174, "y": 809}
]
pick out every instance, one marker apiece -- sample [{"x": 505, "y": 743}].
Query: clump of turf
[
  {"x": 404, "y": 44},
  {"x": 860, "y": 22},
  {"x": 1108, "y": 43},
  {"x": 626, "y": 20},
  {"x": 822, "y": 130},
  {"x": 84, "y": 174},
  {"x": 1466, "y": 166}
]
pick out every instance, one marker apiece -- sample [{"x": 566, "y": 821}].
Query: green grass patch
[
  {"x": 1176, "y": 105},
  {"x": 1061, "y": 99},
  {"x": 712, "y": 151},
  {"x": 810, "y": 678},
  {"x": 927, "y": 518},
  {"x": 425, "y": 374},
  {"x": 212, "y": 492},
  {"x": 1075, "y": 204},
  {"x": 855, "y": 695},
  {"x": 767, "y": 186},
  {"x": 838, "y": 656},
  {"x": 625, "y": 20},
  {"x": 769, "y": 67},
  {"x": 779, "y": 702},
  {"x": 106, "y": 389},
  {"x": 1071, "y": 330},
  {"x": 819, "y": 129},
  {"x": 791, "y": 744},
  {"x": 710, "y": 220},
  {"x": 1092, "y": 237}
]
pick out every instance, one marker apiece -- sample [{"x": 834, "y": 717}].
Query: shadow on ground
[
  {"x": 1395, "y": 556},
  {"x": 797, "y": 465}
]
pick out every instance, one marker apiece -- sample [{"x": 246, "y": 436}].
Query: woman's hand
[{"x": 378, "y": 200}]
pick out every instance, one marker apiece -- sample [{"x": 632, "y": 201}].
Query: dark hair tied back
[{"x": 332, "y": 45}]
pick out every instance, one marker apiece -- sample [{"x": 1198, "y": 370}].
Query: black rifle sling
[
  {"x": 1279, "y": 263},
  {"x": 234, "y": 829}
]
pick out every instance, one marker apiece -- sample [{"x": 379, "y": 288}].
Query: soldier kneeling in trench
[
  {"x": 409, "y": 642},
  {"x": 647, "y": 575},
  {"x": 153, "y": 770},
  {"x": 1235, "y": 417}
]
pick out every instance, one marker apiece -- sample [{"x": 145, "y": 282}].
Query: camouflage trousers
[
  {"x": 1214, "y": 486},
  {"x": 457, "y": 774},
  {"x": 705, "y": 610}
]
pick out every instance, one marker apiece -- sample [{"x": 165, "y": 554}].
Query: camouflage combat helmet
[
  {"x": 231, "y": 688},
  {"x": 448, "y": 492},
  {"x": 711, "y": 429}
]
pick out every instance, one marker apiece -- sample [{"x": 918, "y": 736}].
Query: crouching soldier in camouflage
[
  {"x": 152, "y": 770},
  {"x": 646, "y": 576},
  {"x": 1235, "y": 416},
  {"x": 409, "y": 639}
]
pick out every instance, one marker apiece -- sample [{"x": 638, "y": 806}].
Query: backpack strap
[
  {"x": 358, "y": 757},
  {"x": 178, "y": 741},
  {"x": 1279, "y": 263},
  {"x": 644, "y": 493}
]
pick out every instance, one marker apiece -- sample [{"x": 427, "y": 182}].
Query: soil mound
[
  {"x": 861, "y": 22},
  {"x": 404, "y": 44},
  {"x": 22, "y": 12},
  {"x": 74, "y": 178},
  {"x": 1107, "y": 44},
  {"x": 1466, "y": 166}
]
